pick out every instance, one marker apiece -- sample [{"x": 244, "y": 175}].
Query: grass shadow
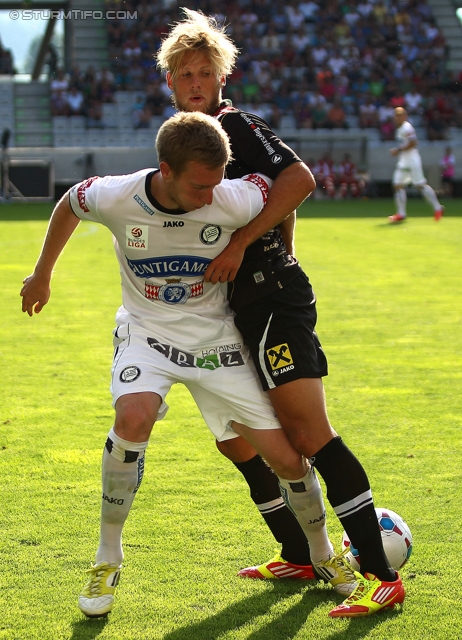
[
  {"x": 88, "y": 628},
  {"x": 284, "y": 627}
]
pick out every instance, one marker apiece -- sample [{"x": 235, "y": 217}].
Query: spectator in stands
[
  {"x": 295, "y": 16},
  {"x": 336, "y": 116},
  {"x": 413, "y": 101},
  {"x": 397, "y": 99},
  {"x": 387, "y": 128},
  {"x": 324, "y": 172},
  {"x": 348, "y": 179},
  {"x": 94, "y": 115},
  {"x": 385, "y": 112},
  {"x": 283, "y": 98},
  {"x": 325, "y": 83},
  {"x": 155, "y": 99},
  {"x": 270, "y": 42},
  {"x": 376, "y": 40},
  {"x": 300, "y": 40},
  {"x": 60, "y": 82},
  {"x": 319, "y": 114},
  {"x": 448, "y": 170},
  {"x": 336, "y": 62},
  {"x": 368, "y": 114},
  {"x": 105, "y": 91},
  {"x": 273, "y": 116},
  {"x": 436, "y": 127},
  {"x": 105, "y": 74},
  {"x": 76, "y": 77},
  {"x": 309, "y": 8},
  {"x": 58, "y": 103},
  {"x": 303, "y": 115},
  {"x": 141, "y": 115},
  {"x": 319, "y": 54},
  {"x": 75, "y": 102}
]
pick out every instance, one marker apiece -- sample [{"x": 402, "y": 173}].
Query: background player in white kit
[
  {"x": 168, "y": 224},
  {"x": 409, "y": 169}
]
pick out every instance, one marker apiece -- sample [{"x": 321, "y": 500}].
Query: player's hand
[
  {"x": 35, "y": 294},
  {"x": 394, "y": 151},
  {"x": 224, "y": 267}
]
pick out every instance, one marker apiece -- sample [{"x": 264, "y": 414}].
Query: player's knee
[
  {"x": 134, "y": 420},
  {"x": 308, "y": 435},
  {"x": 289, "y": 465},
  {"x": 236, "y": 449}
]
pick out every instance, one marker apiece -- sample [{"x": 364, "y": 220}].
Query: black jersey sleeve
[{"x": 255, "y": 146}]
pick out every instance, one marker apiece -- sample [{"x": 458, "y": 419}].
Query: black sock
[
  {"x": 349, "y": 493},
  {"x": 266, "y": 494}
]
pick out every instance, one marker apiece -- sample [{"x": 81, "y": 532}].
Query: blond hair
[
  {"x": 198, "y": 33},
  {"x": 188, "y": 136}
]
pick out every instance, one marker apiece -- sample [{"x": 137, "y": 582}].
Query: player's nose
[{"x": 208, "y": 196}]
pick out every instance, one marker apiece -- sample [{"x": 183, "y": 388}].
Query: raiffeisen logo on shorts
[{"x": 137, "y": 236}]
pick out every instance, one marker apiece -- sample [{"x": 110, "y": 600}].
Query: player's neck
[{"x": 160, "y": 193}]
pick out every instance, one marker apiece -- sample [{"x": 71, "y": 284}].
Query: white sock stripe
[
  {"x": 272, "y": 505},
  {"x": 347, "y": 508}
]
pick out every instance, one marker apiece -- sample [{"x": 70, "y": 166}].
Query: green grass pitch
[{"x": 390, "y": 320}]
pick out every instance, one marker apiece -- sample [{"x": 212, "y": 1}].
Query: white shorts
[
  {"x": 224, "y": 386},
  {"x": 409, "y": 172}
]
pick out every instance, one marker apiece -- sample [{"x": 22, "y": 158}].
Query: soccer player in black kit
[{"x": 276, "y": 312}]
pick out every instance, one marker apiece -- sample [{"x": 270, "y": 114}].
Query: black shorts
[{"x": 279, "y": 330}]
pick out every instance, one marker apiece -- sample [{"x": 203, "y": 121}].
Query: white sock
[
  {"x": 122, "y": 472},
  {"x": 400, "y": 200},
  {"x": 304, "y": 498},
  {"x": 430, "y": 196}
]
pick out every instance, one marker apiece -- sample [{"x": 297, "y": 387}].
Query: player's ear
[
  {"x": 223, "y": 81},
  {"x": 165, "y": 169},
  {"x": 168, "y": 77}
]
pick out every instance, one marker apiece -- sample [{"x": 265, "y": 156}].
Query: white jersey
[
  {"x": 163, "y": 254},
  {"x": 409, "y": 166},
  {"x": 403, "y": 135}
]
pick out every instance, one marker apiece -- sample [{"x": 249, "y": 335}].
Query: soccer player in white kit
[
  {"x": 168, "y": 224},
  {"x": 409, "y": 169}
]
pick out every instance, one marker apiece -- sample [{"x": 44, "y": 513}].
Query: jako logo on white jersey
[
  {"x": 137, "y": 236},
  {"x": 168, "y": 266}
]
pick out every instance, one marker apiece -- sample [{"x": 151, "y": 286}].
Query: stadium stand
[{"x": 297, "y": 59}]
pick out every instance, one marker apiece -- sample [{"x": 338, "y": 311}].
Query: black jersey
[{"x": 255, "y": 147}]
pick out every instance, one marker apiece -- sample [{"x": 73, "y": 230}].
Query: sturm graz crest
[
  {"x": 210, "y": 234},
  {"x": 175, "y": 292}
]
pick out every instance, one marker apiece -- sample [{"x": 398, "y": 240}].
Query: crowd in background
[
  {"x": 317, "y": 64},
  {"x": 312, "y": 64}
]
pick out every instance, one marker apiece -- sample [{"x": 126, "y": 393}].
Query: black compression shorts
[{"x": 280, "y": 332}]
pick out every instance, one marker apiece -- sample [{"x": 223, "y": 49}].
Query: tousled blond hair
[
  {"x": 200, "y": 33},
  {"x": 189, "y": 136}
]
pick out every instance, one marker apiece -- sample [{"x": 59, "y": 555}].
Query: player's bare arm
[
  {"x": 290, "y": 189},
  {"x": 36, "y": 290},
  {"x": 287, "y": 228},
  {"x": 410, "y": 144}
]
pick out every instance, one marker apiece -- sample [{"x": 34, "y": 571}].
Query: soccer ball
[{"x": 396, "y": 538}]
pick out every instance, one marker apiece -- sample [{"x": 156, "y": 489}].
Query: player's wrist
[{"x": 241, "y": 238}]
